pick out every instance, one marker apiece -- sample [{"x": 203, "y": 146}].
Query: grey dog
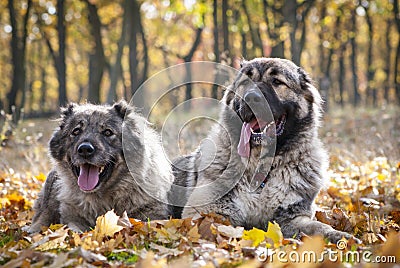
[
  {"x": 90, "y": 174},
  {"x": 286, "y": 179}
]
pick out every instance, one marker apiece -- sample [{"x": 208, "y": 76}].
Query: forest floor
[{"x": 362, "y": 197}]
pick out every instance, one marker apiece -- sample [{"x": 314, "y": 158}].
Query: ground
[{"x": 362, "y": 197}]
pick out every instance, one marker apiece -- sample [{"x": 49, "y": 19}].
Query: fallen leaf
[
  {"x": 255, "y": 235},
  {"x": 230, "y": 231},
  {"x": 106, "y": 225},
  {"x": 275, "y": 234},
  {"x": 193, "y": 235}
]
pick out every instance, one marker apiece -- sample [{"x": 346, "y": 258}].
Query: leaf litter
[{"x": 362, "y": 198}]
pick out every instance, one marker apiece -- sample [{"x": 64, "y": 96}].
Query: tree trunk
[
  {"x": 188, "y": 58},
  {"x": 145, "y": 58},
  {"x": 341, "y": 74},
  {"x": 60, "y": 64},
  {"x": 97, "y": 60},
  {"x": 303, "y": 32},
  {"x": 133, "y": 43},
  {"x": 225, "y": 30},
  {"x": 214, "y": 92},
  {"x": 243, "y": 44},
  {"x": 18, "y": 51},
  {"x": 353, "y": 58},
  {"x": 371, "y": 92},
  {"x": 388, "y": 52},
  {"x": 116, "y": 68},
  {"x": 277, "y": 49},
  {"x": 255, "y": 37},
  {"x": 324, "y": 79},
  {"x": 289, "y": 12},
  {"x": 396, "y": 75}
]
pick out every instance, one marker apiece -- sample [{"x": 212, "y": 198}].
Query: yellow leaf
[
  {"x": 381, "y": 177},
  {"x": 14, "y": 197},
  {"x": 275, "y": 234},
  {"x": 255, "y": 235},
  {"x": 54, "y": 227},
  {"x": 4, "y": 202},
  {"x": 193, "y": 234},
  {"x": 41, "y": 177},
  {"x": 106, "y": 226}
]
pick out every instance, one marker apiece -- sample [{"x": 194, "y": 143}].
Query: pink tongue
[
  {"x": 244, "y": 142},
  {"x": 88, "y": 177}
]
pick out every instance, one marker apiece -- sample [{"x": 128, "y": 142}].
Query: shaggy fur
[
  {"x": 62, "y": 200},
  {"x": 297, "y": 168}
]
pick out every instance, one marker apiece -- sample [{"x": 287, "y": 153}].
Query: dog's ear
[
  {"x": 242, "y": 62},
  {"x": 304, "y": 77},
  {"x": 68, "y": 110},
  {"x": 311, "y": 93},
  {"x": 229, "y": 94},
  {"x": 122, "y": 108}
]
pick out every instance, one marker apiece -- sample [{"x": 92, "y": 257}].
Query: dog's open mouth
[
  {"x": 89, "y": 175},
  {"x": 257, "y": 130}
]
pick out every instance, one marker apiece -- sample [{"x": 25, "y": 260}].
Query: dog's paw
[
  {"x": 335, "y": 236},
  {"x": 32, "y": 229}
]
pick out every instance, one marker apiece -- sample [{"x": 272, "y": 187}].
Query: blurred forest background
[{"x": 55, "y": 51}]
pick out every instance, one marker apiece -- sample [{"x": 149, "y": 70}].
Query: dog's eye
[
  {"x": 76, "y": 131},
  {"x": 277, "y": 82},
  {"x": 244, "y": 82},
  {"x": 108, "y": 132}
]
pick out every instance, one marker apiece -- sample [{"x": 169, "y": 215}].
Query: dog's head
[
  {"x": 88, "y": 143},
  {"x": 294, "y": 102}
]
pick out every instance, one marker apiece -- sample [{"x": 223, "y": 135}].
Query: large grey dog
[
  {"x": 90, "y": 174},
  {"x": 242, "y": 154}
]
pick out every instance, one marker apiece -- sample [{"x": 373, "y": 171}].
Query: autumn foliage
[{"x": 362, "y": 197}]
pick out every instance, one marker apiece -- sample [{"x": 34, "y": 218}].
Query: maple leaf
[
  {"x": 41, "y": 177},
  {"x": 275, "y": 234},
  {"x": 193, "y": 234},
  {"x": 106, "y": 225},
  {"x": 255, "y": 235}
]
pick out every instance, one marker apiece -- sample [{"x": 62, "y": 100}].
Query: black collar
[{"x": 261, "y": 176}]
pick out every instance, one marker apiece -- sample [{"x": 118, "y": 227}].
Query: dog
[
  {"x": 102, "y": 157},
  {"x": 267, "y": 164}
]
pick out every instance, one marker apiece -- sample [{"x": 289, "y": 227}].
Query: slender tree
[
  {"x": 116, "y": 68},
  {"x": 137, "y": 35},
  {"x": 396, "y": 72},
  {"x": 214, "y": 92},
  {"x": 273, "y": 27},
  {"x": 353, "y": 57},
  {"x": 371, "y": 91},
  {"x": 388, "y": 61},
  {"x": 59, "y": 56},
  {"x": 187, "y": 58},
  {"x": 225, "y": 25},
  {"x": 254, "y": 33},
  {"x": 97, "y": 61},
  {"x": 18, "y": 53}
]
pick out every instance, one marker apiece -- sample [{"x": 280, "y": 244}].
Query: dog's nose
[
  {"x": 86, "y": 149},
  {"x": 253, "y": 96}
]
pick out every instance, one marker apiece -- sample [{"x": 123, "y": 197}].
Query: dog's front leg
[
  {"x": 304, "y": 224},
  {"x": 46, "y": 206},
  {"x": 73, "y": 220}
]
